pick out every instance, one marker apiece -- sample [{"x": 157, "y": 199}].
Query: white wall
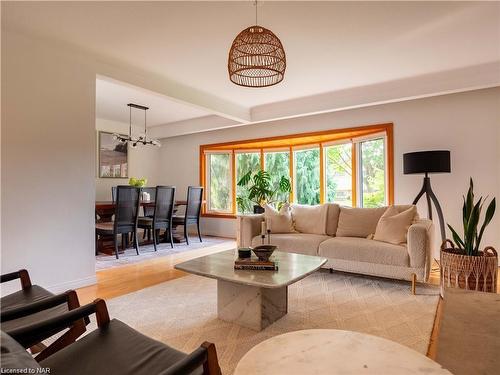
[
  {"x": 468, "y": 124},
  {"x": 48, "y": 138},
  {"x": 143, "y": 161}
]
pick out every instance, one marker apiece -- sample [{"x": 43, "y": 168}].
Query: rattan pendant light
[{"x": 256, "y": 57}]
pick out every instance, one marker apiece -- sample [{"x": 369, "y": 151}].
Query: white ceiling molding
[
  {"x": 458, "y": 80},
  {"x": 196, "y": 125}
]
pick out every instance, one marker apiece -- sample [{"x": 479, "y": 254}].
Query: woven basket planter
[{"x": 477, "y": 273}]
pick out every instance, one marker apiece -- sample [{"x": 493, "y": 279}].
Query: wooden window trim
[{"x": 300, "y": 140}]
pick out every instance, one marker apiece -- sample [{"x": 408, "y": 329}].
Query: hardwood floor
[
  {"x": 126, "y": 279},
  {"x": 122, "y": 280}
]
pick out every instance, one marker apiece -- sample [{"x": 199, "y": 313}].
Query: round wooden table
[{"x": 330, "y": 352}]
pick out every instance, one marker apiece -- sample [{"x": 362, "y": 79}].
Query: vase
[
  {"x": 470, "y": 272},
  {"x": 258, "y": 209}
]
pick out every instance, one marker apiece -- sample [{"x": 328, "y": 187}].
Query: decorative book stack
[{"x": 254, "y": 263}]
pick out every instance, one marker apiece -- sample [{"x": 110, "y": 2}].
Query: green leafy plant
[
  {"x": 137, "y": 182},
  {"x": 260, "y": 190},
  {"x": 471, "y": 212}
]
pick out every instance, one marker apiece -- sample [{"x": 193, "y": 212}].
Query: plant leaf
[
  {"x": 456, "y": 237},
  {"x": 490, "y": 212}
]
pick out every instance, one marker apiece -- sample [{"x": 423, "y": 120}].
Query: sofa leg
[
  {"x": 331, "y": 270},
  {"x": 413, "y": 283}
]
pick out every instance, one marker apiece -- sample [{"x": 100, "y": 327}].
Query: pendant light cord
[
  {"x": 130, "y": 123},
  {"x": 145, "y": 131},
  {"x": 255, "y": 3}
]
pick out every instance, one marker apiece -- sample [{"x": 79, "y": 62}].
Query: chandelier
[
  {"x": 256, "y": 57},
  {"x": 142, "y": 139}
]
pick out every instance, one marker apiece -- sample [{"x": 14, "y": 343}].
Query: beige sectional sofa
[{"x": 347, "y": 245}]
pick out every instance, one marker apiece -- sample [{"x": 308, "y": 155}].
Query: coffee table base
[{"x": 250, "y": 306}]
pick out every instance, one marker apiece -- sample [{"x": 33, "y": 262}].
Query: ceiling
[
  {"x": 331, "y": 47},
  {"x": 112, "y": 99}
]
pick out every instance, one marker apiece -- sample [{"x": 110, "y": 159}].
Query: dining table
[{"x": 106, "y": 209}]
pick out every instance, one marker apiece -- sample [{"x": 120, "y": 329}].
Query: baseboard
[{"x": 73, "y": 284}]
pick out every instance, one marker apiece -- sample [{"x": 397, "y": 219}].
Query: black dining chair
[
  {"x": 163, "y": 211},
  {"x": 148, "y": 210},
  {"x": 126, "y": 215},
  {"x": 193, "y": 211}
]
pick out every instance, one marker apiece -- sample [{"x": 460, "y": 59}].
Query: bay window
[{"x": 351, "y": 167}]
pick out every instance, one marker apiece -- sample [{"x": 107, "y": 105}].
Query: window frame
[
  {"x": 292, "y": 142},
  {"x": 206, "y": 191}
]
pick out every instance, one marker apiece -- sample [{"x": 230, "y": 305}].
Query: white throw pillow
[
  {"x": 310, "y": 219},
  {"x": 279, "y": 221},
  {"x": 358, "y": 222},
  {"x": 393, "y": 225}
]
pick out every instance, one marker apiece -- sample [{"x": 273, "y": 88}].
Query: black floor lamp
[{"x": 428, "y": 162}]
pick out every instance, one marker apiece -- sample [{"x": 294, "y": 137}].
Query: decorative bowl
[{"x": 264, "y": 252}]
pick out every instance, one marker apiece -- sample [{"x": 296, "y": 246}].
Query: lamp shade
[{"x": 437, "y": 161}]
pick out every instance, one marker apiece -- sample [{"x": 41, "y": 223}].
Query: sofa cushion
[
  {"x": 310, "y": 219},
  {"x": 358, "y": 222},
  {"x": 279, "y": 221},
  {"x": 393, "y": 225},
  {"x": 302, "y": 243},
  {"x": 364, "y": 250},
  {"x": 332, "y": 218}
]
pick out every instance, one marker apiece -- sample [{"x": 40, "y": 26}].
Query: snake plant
[{"x": 471, "y": 212}]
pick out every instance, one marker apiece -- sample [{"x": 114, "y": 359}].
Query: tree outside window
[
  {"x": 338, "y": 165},
  {"x": 307, "y": 176},
  {"x": 372, "y": 156},
  {"x": 219, "y": 195},
  {"x": 277, "y": 164}
]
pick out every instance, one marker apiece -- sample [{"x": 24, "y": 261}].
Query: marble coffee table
[
  {"x": 253, "y": 299},
  {"x": 332, "y": 351}
]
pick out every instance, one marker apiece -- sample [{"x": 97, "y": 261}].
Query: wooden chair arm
[
  {"x": 69, "y": 297},
  {"x": 205, "y": 356},
  {"x": 32, "y": 334},
  {"x": 23, "y": 275}
]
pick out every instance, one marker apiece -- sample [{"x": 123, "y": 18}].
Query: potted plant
[
  {"x": 261, "y": 191},
  {"x": 137, "y": 182},
  {"x": 463, "y": 264}
]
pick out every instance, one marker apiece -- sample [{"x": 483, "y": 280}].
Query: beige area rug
[
  {"x": 147, "y": 252},
  {"x": 183, "y": 312}
]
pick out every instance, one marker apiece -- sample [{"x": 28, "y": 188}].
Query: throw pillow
[
  {"x": 310, "y": 219},
  {"x": 393, "y": 225},
  {"x": 358, "y": 222},
  {"x": 279, "y": 221}
]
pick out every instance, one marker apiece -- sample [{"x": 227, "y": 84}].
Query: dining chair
[
  {"x": 126, "y": 215},
  {"x": 33, "y": 304},
  {"x": 163, "y": 211},
  {"x": 148, "y": 210},
  {"x": 193, "y": 211}
]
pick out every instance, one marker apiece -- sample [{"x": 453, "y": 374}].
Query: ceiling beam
[
  {"x": 195, "y": 125},
  {"x": 448, "y": 82}
]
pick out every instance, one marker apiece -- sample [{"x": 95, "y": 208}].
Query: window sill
[{"x": 218, "y": 216}]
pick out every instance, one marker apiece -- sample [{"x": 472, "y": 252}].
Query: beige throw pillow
[
  {"x": 310, "y": 219},
  {"x": 279, "y": 221},
  {"x": 358, "y": 222},
  {"x": 393, "y": 225}
]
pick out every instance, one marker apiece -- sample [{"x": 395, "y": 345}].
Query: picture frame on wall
[{"x": 113, "y": 157}]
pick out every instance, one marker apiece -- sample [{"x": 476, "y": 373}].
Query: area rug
[
  {"x": 183, "y": 312},
  {"x": 146, "y": 252}
]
